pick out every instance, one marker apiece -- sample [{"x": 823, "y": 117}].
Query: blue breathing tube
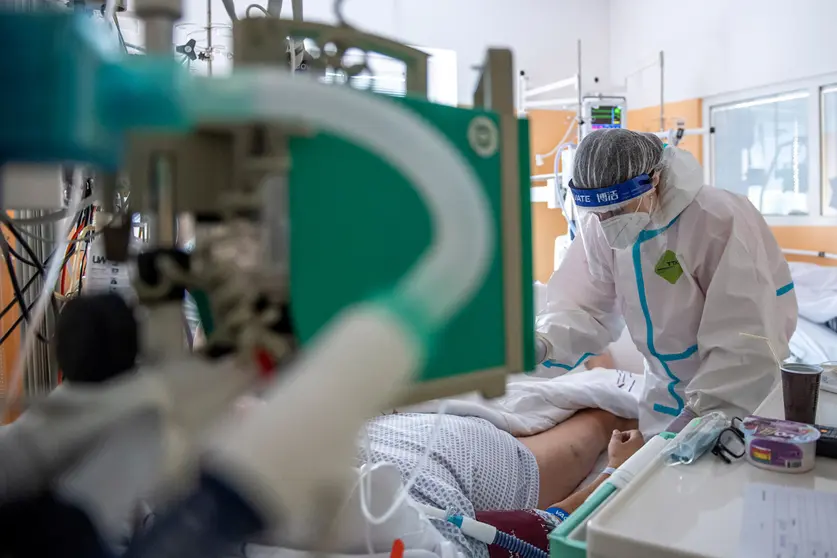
[{"x": 489, "y": 534}]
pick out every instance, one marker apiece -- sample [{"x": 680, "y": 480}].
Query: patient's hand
[
  {"x": 603, "y": 360},
  {"x": 623, "y": 445}
]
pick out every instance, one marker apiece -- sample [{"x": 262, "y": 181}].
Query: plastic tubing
[
  {"x": 556, "y": 163},
  {"x": 485, "y": 533},
  {"x": 448, "y": 274},
  {"x": 519, "y": 546},
  {"x": 110, "y": 10},
  {"x": 37, "y": 315},
  {"x": 366, "y": 354},
  {"x": 401, "y": 497}
]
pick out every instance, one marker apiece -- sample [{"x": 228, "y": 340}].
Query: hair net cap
[{"x": 608, "y": 157}]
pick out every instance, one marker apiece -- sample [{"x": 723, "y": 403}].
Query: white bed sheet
[
  {"x": 533, "y": 405},
  {"x": 816, "y": 291},
  {"x": 813, "y": 343}
]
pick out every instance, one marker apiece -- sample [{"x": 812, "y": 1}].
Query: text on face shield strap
[{"x": 618, "y": 193}]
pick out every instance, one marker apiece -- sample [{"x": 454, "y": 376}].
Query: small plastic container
[{"x": 780, "y": 445}]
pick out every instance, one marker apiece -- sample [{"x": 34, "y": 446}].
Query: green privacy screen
[{"x": 358, "y": 226}]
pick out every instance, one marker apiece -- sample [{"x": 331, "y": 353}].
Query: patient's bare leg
[{"x": 567, "y": 452}]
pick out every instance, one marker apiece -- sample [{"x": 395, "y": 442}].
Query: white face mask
[{"x": 623, "y": 230}]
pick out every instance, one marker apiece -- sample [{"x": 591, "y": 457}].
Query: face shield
[{"x": 611, "y": 218}]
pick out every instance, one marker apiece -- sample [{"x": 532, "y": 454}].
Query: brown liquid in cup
[{"x": 801, "y": 391}]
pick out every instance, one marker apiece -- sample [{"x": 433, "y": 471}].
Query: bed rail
[{"x": 810, "y": 253}]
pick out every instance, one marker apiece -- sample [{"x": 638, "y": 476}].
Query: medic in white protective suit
[{"x": 686, "y": 267}]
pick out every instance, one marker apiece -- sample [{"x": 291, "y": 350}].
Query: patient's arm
[
  {"x": 567, "y": 452},
  {"x": 574, "y": 501},
  {"x": 622, "y": 445}
]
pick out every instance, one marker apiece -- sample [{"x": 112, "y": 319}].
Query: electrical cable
[
  {"x": 15, "y": 379},
  {"x": 54, "y": 216},
  {"x": 25, "y": 288},
  {"x": 10, "y": 266},
  {"x": 9, "y": 224},
  {"x": 119, "y": 33},
  {"x": 21, "y": 259},
  {"x": 35, "y": 261},
  {"x": 229, "y": 6},
  {"x": 13, "y": 327},
  {"x": 38, "y": 238},
  {"x": 256, "y": 7},
  {"x": 557, "y": 147}
]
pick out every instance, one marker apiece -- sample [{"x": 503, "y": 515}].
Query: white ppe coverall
[{"x": 706, "y": 270}]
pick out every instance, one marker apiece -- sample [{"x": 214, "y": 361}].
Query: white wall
[
  {"x": 542, "y": 33},
  {"x": 719, "y": 46}
]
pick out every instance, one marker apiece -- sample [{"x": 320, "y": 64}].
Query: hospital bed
[{"x": 815, "y": 339}]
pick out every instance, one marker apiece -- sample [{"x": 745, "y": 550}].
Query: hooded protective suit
[{"x": 704, "y": 271}]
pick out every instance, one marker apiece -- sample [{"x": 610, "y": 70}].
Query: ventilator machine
[{"x": 350, "y": 252}]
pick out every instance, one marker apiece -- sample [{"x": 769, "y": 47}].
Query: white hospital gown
[{"x": 473, "y": 466}]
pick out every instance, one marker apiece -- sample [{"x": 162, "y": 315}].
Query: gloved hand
[
  {"x": 681, "y": 420},
  {"x": 541, "y": 350}
]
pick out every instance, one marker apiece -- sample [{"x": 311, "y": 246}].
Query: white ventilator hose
[
  {"x": 450, "y": 271},
  {"x": 286, "y": 453}
]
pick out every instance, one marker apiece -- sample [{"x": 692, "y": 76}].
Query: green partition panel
[{"x": 358, "y": 226}]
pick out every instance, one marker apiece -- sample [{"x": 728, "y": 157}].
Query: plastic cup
[{"x": 801, "y": 391}]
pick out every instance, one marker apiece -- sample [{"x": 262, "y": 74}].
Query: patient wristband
[
  {"x": 559, "y": 513},
  {"x": 608, "y": 471}
]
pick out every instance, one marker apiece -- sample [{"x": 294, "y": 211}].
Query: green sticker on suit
[{"x": 668, "y": 267}]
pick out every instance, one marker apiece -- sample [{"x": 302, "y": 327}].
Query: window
[
  {"x": 761, "y": 150},
  {"x": 778, "y": 147},
  {"x": 388, "y": 75},
  {"x": 829, "y": 151}
]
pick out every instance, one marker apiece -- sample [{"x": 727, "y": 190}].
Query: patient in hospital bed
[
  {"x": 476, "y": 467},
  {"x": 478, "y": 470}
]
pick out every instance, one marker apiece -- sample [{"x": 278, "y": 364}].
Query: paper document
[
  {"x": 782, "y": 522},
  {"x": 104, "y": 276}
]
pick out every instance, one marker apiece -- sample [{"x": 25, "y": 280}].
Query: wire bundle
[
  {"x": 80, "y": 235},
  {"x": 26, "y": 239}
]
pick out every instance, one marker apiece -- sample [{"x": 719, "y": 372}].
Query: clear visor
[{"x": 608, "y": 219}]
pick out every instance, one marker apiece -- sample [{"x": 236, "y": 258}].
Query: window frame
[
  {"x": 814, "y": 87},
  {"x": 445, "y": 95}
]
